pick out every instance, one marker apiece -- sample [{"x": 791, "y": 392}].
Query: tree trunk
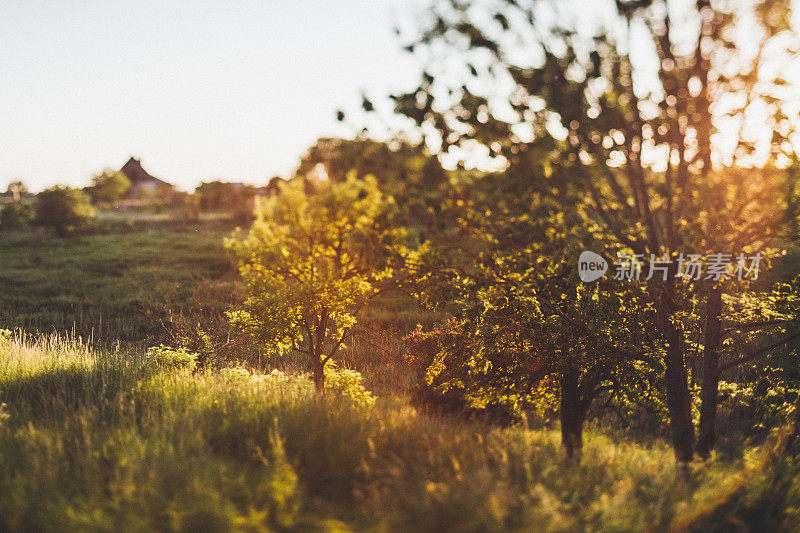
[
  {"x": 710, "y": 384},
  {"x": 319, "y": 379},
  {"x": 572, "y": 414},
  {"x": 678, "y": 398}
]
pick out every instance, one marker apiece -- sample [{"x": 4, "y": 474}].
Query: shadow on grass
[{"x": 53, "y": 393}]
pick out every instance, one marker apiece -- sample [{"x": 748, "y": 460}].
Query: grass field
[
  {"x": 116, "y": 282},
  {"x": 100, "y": 435},
  {"x": 129, "y": 277},
  {"x": 94, "y": 440}
]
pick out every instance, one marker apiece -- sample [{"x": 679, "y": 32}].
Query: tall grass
[
  {"x": 100, "y": 440},
  {"x": 114, "y": 283}
]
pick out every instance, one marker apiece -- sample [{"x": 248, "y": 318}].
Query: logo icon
[{"x": 591, "y": 266}]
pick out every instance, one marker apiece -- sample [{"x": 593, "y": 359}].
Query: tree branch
[{"x": 749, "y": 357}]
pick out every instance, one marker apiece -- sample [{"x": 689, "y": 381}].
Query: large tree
[
  {"x": 521, "y": 315},
  {"x": 669, "y": 120}
]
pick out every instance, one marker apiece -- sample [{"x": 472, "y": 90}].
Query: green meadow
[
  {"x": 114, "y": 281},
  {"x": 98, "y": 440},
  {"x": 98, "y": 433}
]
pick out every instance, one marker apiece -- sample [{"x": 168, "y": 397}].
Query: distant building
[{"x": 145, "y": 186}]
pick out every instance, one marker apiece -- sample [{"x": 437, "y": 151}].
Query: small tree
[
  {"x": 109, "y": 187},
  {"x": 316, "y": 254},
  {"x": 63, "y": 209}
]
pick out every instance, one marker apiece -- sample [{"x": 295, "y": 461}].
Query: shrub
[
  {"x": 346, "y": 383},
  {"x": 341, "y": 384},
  {"x": 16, "y": 215},
  {"x": 199, "y": 342},
  {"x": 235, "y": 373},
  {"x": 221, "y": 195},
  {"x": 189, "y": 206},
  {"x": 63, "y": 209},
  {"x": 172, "y": 358},
  {"x": 109, "y": 187},
  {"x": 243, "y": 212}
]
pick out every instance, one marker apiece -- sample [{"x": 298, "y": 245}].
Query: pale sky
[{"x": 197, "y": 90}]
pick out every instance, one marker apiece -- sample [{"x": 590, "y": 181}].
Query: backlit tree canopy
[
  {"x": 314, "y": 257},
  {"x": 668, "y": 124}
]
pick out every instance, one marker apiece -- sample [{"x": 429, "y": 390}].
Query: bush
[
  {"x": 243, "y": 212},
  {"x": 109, "y": 187},
  {"x": 345, "y": 384},
  {"x": 63, "y": 209},
  {"x": 16, "y": 215},
  {"x": 221, "y": 195},
  {"x": 348, "y": 384},
  {"x": 235, "y": 374},
  {"x": 199, "y": 343},
  {"x": 172, "y": 358}
]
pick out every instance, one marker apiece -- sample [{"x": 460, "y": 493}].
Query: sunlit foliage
[{"x": 316, "y": 254}]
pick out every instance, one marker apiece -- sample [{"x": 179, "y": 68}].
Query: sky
[{"x": 198, "y": 90}]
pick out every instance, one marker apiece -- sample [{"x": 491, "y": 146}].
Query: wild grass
[
  {"x": 101, "y": 436},
  {"x": 134, "y": 276},
  {"x": 116, "y": 281},
  {"x": 102, "y": 440}
]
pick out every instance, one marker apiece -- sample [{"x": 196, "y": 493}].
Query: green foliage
[
  {"x": 200, "y": 343},
  {"x": 16, "y": 215},
  {"x": 109, "y": 187},
  {"x": 616, "y": 164},
  {"x": 348, "y": 384},
  {"x": 125, "y": 281},
  {"x": 63, "y": 209},
  {"x": 340, "y": 384},
  {"x": 242, "y": 213},
  {"x": 311, "y": 261},
  {"x": 92, "y": 440},
  {"x": 190, "y": 206},
  {"x": 398, "y": 166},
  {"x": 406, "y": 171},
  {"x": 521, "y": 318},
  {"x": 173, "y": 358},
  {"x": 222, "y": 195}
]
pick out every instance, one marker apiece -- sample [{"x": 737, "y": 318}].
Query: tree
[
  {"x": 406, "y": 171},
  {"x": 236, "y": 198},
  {"x": 63, "y": 209},
  {"x": 109, "y": 187},
  {"x": 311, "y": 262},
  {"x": 16, "y": 215},
  {"x": 396, "y": 165},
  {"x": 521, "y": 316},
  {"x": 640, "y": 141},
  {"x": 216, "y": 195}
]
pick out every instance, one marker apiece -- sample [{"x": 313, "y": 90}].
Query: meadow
[
  {"x": 549, "y": 282},
  {"x": 98, "y": 433},
  {"x": 98, "y": 440},
  {"x": 117, "y": 279}
]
